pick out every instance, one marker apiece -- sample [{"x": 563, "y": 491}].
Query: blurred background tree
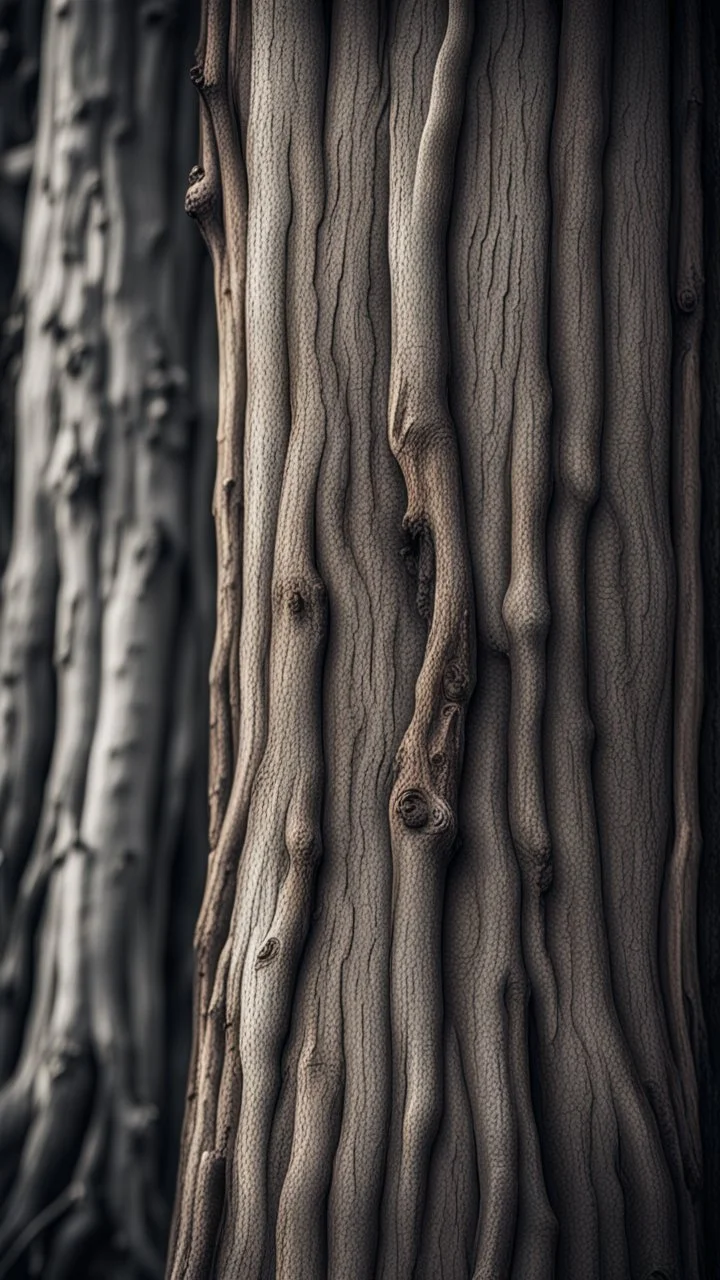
[{"x": 106, "y": 466}]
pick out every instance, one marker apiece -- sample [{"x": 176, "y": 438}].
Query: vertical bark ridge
[
  {"x": 514, "y": 1231},
  {"x": 283, "y": 843},
  {"x": 525, "y": 607},
  {"x": 486, "y": 980},
  {"x": 29, "y": 581},
  {"x": 423, "y": 817},
  {"x": 615, "y": 1204},
  {"x": 70, "y": 483},
  {"x": 679, "y": 929},
  {"x": 630, "y": 572},
  {"x": 149, "y": 415},
  {"x": 338, "y": 1069},
  {"x": 55, "y": 1061},
  {"x": 317, "y": 1061},
  {"x": 218, "y": 197},
  {"x": 452, "y": 1200}
]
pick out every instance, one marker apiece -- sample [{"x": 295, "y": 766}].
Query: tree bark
[
  {"x": 100, "y": 641},
  {"x": 447, "y": 1007}
]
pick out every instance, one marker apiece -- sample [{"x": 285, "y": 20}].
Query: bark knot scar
[
  {"x": 197, "y": 75},
  {"x": 456, "y": 682},
  {"x": 200, "y": 196},
  {"x": 301, "y": 598},
  {"x": 267, "y": 953},
  {"x": 687, "y": 299},
  {"x": 413, "y": 808}
]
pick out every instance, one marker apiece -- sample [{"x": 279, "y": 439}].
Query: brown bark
[{"x": 459, "y": 237}]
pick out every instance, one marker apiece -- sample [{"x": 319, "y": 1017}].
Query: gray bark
[{"x": 103, "y": 635}]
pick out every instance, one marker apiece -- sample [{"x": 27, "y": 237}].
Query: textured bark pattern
[
  {"x": 447, "y": 1015},
  {"x": 98, "y": 651}
]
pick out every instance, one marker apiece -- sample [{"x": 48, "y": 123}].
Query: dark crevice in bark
[{"x": 708, "y": 905}]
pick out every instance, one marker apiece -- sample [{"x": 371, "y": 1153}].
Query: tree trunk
[
  {"x": 102, "y": 639},
  {"x": 447, "y": 1008}
]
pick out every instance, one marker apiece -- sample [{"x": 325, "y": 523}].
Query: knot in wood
[
  {"x": 687, "y": 299},
  {"x": 296, "y": 603},
  {"x": 442, "y": 816},
  {"x": 77, "y": 352},
  {"x": 455, "y": 681},
  {"x": 413, "y": 808},
  {"x": 199, "y": 198},
  {"x": 197, "y": 75},
  {"x": 267, "y": 953}
]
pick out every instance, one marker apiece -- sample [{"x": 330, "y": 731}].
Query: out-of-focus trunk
[{"x": 106, "y": 613}]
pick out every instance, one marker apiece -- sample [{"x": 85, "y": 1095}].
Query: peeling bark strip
[{"x": 217, "y": 198}]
